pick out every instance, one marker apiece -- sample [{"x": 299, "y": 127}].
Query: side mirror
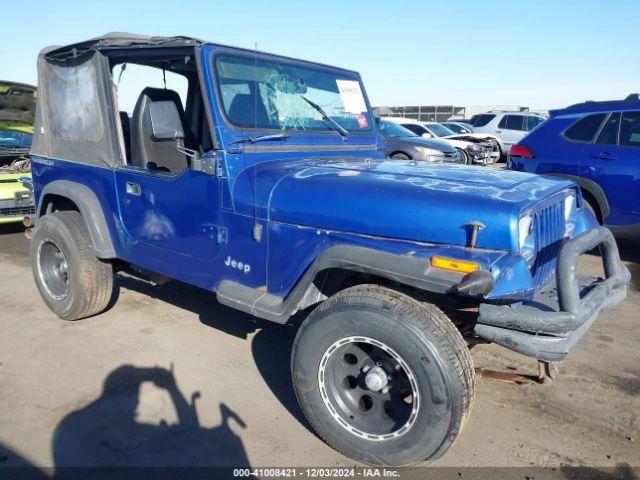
[
  {"x": 426, "y": 135},
  {"x": 164, "y": 122}
]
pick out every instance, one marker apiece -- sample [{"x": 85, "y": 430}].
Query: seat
[
  {"x": 242, "y": 108},
  {"x": 154, "y": 155}
]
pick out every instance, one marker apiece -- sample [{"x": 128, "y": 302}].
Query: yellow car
[{"x": 17, "y": 114}]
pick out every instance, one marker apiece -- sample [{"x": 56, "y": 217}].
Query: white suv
[{"x": 510, "y": 127}]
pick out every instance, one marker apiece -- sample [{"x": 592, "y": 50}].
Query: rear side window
[
  {"x": 630, "y": 129},
  {"x": 585, "y": 129},
  {"x": 482, "y": 119},
  {"x": 609, "y": 133},
  {"x": 533, "y": 122},
  {"x": 512, "y": 122},
  {"x": 72, "y": 100}
]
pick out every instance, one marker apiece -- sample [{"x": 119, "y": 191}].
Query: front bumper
[
  {"x": 547, "y": 326},
  {"x": 483, "y": 157},
  {"x": 14, "y": 209}
]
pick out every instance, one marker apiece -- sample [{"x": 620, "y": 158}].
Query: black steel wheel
[
  {"x": 368, "y": 388},
  {"x": 382, "y": 377},
  {"x": 53, "y": 268}
]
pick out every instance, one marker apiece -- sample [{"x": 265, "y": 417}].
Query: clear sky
[{"x": 541, "y": 54}]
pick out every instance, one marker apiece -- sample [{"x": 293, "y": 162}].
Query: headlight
[
  {"x": 526, "y": 239},
  {"x": 429, "y": 152},
  {"x": 569, "y": 214},
  {"x": 430, "y": 155},
  {"x": 474, "y": 148},
  {"x": 525, "y": 229},
  {"x": 569, "y": 207}
]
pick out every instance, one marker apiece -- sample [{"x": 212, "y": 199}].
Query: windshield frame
[{"x": 355, "y": 76}]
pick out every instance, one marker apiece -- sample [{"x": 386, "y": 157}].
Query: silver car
[{"x": 401, "y": 143}]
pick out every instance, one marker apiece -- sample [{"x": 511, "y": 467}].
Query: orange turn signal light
[{"x": 454, "y": 265}]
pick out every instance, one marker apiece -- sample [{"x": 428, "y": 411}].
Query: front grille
[
  {"x": 549, "y": 228},
  {"x": 17, "y": 211}
]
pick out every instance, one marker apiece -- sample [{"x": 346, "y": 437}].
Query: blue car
[
  {"x": 268, "y": 185},
  {"x": 597, "y": 145}
]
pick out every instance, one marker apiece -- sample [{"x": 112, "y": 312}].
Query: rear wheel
[
  {"x": 382, "y": 377},
  {"x": 71, "y": 280}
]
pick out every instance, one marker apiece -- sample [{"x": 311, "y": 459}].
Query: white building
[{"x": 442, "y": 113}]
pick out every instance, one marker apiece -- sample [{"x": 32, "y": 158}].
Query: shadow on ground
[
  {"x": 104, "y": 434},
  {"x": 271, "y": 345},
  {"x": 8, "y": 228}
]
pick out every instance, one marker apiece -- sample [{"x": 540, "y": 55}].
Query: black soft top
[{"x": 117, "y": 40}]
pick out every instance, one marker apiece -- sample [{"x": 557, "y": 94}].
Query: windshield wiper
[
  {"x": 261, "y": 138},
  {"x": 336, "y": 126}
]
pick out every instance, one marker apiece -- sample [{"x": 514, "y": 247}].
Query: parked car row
[{"x": 472, "y": 149}]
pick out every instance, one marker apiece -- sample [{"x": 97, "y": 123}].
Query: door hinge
[
  {"x": 204, "y": 165},
  {"x": 216, "y": 232},
  {"x": 222, "y": 235},
  {"x": 219, "y": 166}
]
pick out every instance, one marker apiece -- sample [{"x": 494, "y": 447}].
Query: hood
[
  {"x": 465, "y": 138},
  {"x": 397, "y": 199},
  {"x": 456, "y": 142},
  {"x": 17, "y": 105},
  {"x": 427, "y": 142}
]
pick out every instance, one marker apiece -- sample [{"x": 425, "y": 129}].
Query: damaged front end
[
  {"x": 17, "y": 116},
  {"x": 16, "y": 191},
  {"x": 482, "y": 152}
]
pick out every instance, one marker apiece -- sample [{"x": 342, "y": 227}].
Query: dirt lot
[{"x": 170, "y": 377}]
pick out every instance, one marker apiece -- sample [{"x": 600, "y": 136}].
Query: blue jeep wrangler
[{"x": 270, "y": 188}]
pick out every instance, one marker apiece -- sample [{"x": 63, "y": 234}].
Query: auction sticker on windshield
[{"x": 351, "y": 95}]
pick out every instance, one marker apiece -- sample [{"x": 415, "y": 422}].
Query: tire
[
  {"x": 72, "y": 281},
  {"x": 400, "y": 156},
  {"x": 465, "y": 156},
  {"x": 431, "y": 356}
]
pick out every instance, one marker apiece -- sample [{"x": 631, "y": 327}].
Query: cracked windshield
[{"x": 277, "y": 96}]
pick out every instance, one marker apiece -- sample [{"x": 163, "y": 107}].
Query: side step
[{"x": 252, "y": 301}]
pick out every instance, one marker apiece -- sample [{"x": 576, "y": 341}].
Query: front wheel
[
  {"x": 383, "y": 378},
  {"x": 466, "y": 160},
  {"x": 72, "y": 281}
]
